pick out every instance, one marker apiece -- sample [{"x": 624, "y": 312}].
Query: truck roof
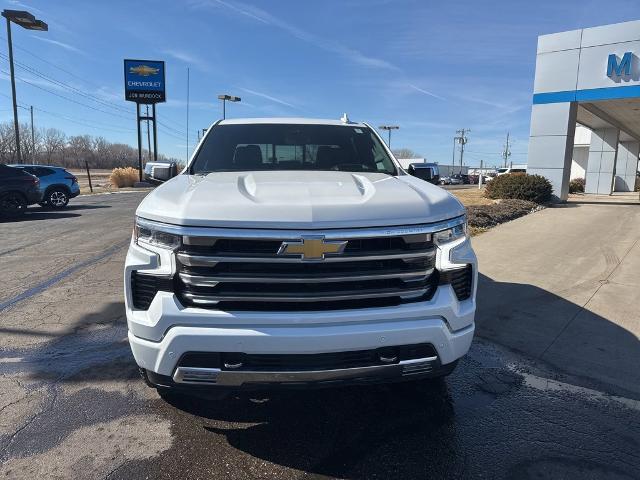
[{"x": 287, "y": 120}]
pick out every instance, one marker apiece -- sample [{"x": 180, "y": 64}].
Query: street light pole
[
  {"x": 224, "y": 99},
  {"x": 388, "y": 128},
  {"x": 28, "y": 21},
  {"x": 16, "y": 126}
]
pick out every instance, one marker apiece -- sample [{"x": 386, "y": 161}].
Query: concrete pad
[
  {"x": 595, "y": 347},
  {"x": 562, "y": 285}
]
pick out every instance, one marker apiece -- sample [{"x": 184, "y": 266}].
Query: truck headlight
[
  {"x": 147, "y": 233},
  {"x": 451, "y": 234}
]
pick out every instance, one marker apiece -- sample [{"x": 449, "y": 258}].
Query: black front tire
[
  {"x": 13, "y": 205},
  {"x": 57, "y": 198}
]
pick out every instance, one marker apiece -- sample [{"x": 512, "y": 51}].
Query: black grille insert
[
  {"x": 461, "y": 280},
  {"x": 144, "y": 288}
]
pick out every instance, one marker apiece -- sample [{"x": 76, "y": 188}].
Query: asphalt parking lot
[{"x": 72, "y": 404}]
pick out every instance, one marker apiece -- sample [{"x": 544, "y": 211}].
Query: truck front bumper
[{"x": 346, "y": 331}]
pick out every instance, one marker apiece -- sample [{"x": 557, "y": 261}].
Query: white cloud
[
  {"x": 266, "y": 18},
  {"x": 66, "y": 46},
  {"x": 188, "y": 58},
  {"x": 268, "y": 97},
  {"x": 426, "y": 92},
  {"x": 24, "y": 6},
  {"x": 194, "y": 104}
]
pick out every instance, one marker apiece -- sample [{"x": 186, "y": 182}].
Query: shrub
[
  {"x": 487, "y": 216},
  {"x": 124, "y": 177},
  {"x": 576, "y": 185},
  {"x": 520, "y": 186}
]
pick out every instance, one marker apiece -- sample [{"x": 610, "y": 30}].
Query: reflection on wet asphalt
[{"x": 482, "y": 422}]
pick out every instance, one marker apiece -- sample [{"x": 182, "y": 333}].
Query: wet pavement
[{"x": 73, "y": 406}]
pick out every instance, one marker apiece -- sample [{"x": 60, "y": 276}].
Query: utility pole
[
  {"x": 33, "y": 136},
  {"x": 506, "y": 153},
  {"x": 148, "y": 137},
  {"x": 462, "y": 139}
]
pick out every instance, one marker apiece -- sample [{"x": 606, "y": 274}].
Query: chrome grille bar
[
  {"x": 201, "y": 299},
  {"x": 213, "y": 280},
  {"x": 211, "y": 260}
]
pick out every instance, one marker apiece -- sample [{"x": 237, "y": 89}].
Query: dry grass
[
  {"x": 472, "y": 196},
  {"x": 124, "y": 177}
]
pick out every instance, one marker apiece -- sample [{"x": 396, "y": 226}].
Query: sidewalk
[{"x": 563, "y": 285}]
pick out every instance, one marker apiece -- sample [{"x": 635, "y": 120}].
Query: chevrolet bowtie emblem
[
  {"x": 312, "y": 248},
  {"x": 144, "y": 70}
]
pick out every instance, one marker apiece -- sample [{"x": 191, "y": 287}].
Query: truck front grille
[{"x": 249, "y": 274}]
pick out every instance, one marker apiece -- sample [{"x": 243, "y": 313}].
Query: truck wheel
[
  {"x": 57, "y": 198},
  {"x": 13, "y": 204}
]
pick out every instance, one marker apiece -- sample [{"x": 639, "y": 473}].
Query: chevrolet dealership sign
[
  {"x": 144, "y": 81},
  {"x": 619, "y": 69}
]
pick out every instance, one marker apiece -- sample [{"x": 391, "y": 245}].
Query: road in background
[{"x": 72, "y": 404}]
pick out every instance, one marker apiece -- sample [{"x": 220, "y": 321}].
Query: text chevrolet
[{"x": 296, "y": 252}]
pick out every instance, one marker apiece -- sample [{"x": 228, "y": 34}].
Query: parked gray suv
[{"x": 58, "y": 185}]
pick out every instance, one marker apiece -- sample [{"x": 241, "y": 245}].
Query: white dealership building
[{"x": 591, "y": 78}]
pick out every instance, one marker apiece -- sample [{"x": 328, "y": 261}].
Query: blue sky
[{"x": 430, "y": 67}]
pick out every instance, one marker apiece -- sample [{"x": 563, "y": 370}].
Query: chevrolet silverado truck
[{"x": 296, "y": 252}]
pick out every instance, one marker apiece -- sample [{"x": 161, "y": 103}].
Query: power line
[
  {"x": 85, "y": 94},
  {"x": 66, "y": 86},
  {"x": 167, "y": 130}
]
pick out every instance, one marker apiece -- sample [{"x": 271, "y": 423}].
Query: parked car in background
[
  {"x": 18, "y": 189},
  {"x": 452, "y": 180},
  {"x": 505, "y": 170},
  {"x": 58, "y": 185},
  {"x": 463, "y": 177},
  {"x": 428, "y": 172}
]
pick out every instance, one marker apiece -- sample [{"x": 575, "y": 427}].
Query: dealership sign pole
[{"x": 144, "y": 84}]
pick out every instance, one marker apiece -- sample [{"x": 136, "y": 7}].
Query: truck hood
[{"x": 298, "y": 199}]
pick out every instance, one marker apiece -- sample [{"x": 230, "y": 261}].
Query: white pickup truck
[{"x": 297, "y": 252}]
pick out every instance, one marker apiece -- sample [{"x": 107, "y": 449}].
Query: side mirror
[{"x": 159, "y": 172}]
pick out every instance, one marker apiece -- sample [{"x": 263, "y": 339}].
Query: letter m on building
[{"x": 619, "y": 69}]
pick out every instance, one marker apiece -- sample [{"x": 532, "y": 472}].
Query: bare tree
[
  {"x": 405, "y": 153},
  {"x": 7, "y": 143},
  {"x": 53, "y": 147},
  {"x": 54, "y": 142},
  {"x": 79, "y": 149},
  {"x": 30, "y": 143}
]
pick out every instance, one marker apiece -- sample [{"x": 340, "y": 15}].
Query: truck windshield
[{"x": 248, "y": 147}]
